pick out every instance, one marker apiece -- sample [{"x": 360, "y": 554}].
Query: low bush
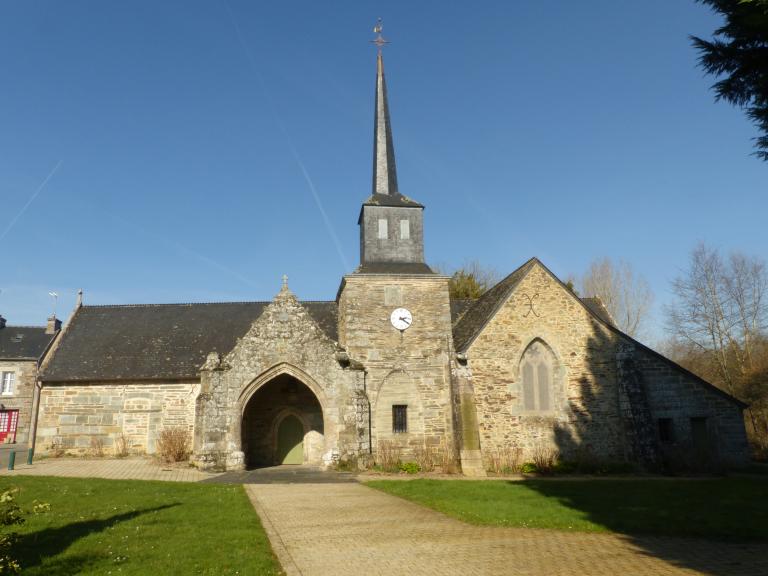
[
  {"x": 426, "y": 456},
  {"x": 388, "y": 456},
  {"x": 122, "y": 446},
  {"x": 505, "y": 460},
  {"x": 410, "y": 467},
  {"x": 173, "y": 444}
]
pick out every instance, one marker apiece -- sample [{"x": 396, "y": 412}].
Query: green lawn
[
  {"x": 723, "y": 509},
  {"x": 135, "y": 527}
]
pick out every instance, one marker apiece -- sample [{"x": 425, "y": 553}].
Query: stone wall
[
  {"x": 584, "y": 410},
  {"x": 23, "y": 394},
  {"x": 284, "y": 340},
  {"x": 609, "y": 392},
  {"x": 71, "y": 415},
  {"x": 409, "y": 368}
]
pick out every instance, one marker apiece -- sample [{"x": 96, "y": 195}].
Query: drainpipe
[{"x": 365, "y": 390}]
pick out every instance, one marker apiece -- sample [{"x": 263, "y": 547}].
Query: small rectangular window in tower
[
  {"x": 399, "y": 418},
  {"x": 666, "y": 431},
  {"x": 405, "y": 229},
  {"x": 383, "y": 231}
]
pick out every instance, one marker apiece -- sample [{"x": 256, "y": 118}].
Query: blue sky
[{"x": 186, "y": 151}]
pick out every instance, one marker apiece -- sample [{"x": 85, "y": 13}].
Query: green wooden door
[{"x": 290, "y": 441}]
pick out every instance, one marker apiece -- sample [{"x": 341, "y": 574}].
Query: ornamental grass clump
[{"x": 173, "y": 444}]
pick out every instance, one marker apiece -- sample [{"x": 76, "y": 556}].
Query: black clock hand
[{"x": 405, "y": 320}]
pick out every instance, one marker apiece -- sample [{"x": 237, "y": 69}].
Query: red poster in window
[{"x": 9, "y": 419}]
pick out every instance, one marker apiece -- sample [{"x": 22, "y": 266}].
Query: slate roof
[
  {"x": 596, "y": 306},
  {"x": 23, "y": 342},
  {"x": 458, "y": 307},
  {"x": 477, "y": 316},
  {"x": 158, "y": 341},
  {"x": 394, "y": 268},
  {"x": 397, "y": 200}
]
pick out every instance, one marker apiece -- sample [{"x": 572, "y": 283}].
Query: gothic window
[
  {"x": 383, "y": 231},
  {"x": 537, "y": 372}
]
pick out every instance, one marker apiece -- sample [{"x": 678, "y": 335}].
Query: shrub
[
  {"x": 410, "y": 467},
  {"x": 97, "y": 447},
  {"x": 446, "y": 457},
  {"x": 173, "y": 444},
  {"x": 12, "y": 515},
  {"x": 544, "y": 458},
  {"x": 505, "y": 460},
  {"x": 528, "y": 468},
  {"x": 122, "y": 446},
  {"x": 347, "y": 464},
  {"x": 388, "y": 455},
  {"x": 426, "y": 457}
]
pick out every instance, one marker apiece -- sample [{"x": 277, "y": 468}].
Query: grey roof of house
[
  {"x": 158, "y": 341},
  {"x": 23, "y": 342},
  {"x": 477, "y": 316},
  {"x": 394, "y": 268}
]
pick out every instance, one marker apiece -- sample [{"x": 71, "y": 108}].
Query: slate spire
[{"x": 384, "y": 171}]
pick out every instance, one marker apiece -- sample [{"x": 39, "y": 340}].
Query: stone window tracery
[{"x": 537, "y": 371}]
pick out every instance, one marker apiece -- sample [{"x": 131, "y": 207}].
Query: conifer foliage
[{"x": 738, "y": 54}]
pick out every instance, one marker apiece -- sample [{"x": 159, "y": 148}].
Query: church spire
[{"x": 384, "y": 171}]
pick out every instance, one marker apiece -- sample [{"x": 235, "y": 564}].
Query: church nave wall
[{"x": 71, "y": 415}]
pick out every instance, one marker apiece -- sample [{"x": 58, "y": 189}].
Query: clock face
[{"x": 401, "y": 319}]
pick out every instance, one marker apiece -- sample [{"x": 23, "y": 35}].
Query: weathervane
[{"x": 379, "y": 40}]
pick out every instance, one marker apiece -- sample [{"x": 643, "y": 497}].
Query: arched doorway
[{"x": 282, "y": 424}]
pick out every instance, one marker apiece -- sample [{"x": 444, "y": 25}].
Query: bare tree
[
  {"x": 721, "y": 310},
  {"x": 626, "y": 295}
]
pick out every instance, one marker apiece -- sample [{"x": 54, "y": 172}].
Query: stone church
[{"x": 392, "y": 359}]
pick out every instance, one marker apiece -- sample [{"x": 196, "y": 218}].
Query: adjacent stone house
[
  {"x": 21, "y": 350},
  {"x": 391, "y": 361}
]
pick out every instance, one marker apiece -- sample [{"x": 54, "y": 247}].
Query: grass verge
[
  {"x": 733, "y": 509},
  {"x": 131, "y": 527}
]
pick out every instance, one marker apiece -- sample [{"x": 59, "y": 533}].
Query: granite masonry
[{"x": 393, "y": 361}]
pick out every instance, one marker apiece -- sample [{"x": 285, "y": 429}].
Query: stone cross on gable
[{"x": 285, "y": 281}]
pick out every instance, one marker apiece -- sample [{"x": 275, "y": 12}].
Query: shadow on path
[
  {"x": 34, "y": 547},
  {"x": 284, "y": 475}
]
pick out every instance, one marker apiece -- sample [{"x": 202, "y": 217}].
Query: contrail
[
  {"x": 181, "y": 248},
  {"x": 289, "y": 140},
  {"x": 31, "y": 199}
]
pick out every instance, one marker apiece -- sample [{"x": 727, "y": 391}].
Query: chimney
[
  {"x": 2, "y": 322},
  {"x": 54, "y": 325}
]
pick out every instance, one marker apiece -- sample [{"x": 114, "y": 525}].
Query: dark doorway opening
[{"x": 283, "y": 424}]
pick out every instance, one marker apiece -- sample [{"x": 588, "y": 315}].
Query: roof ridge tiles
[{"x": 151, "y": 305}]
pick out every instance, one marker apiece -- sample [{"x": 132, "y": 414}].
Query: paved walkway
[
  {"x": 325, "y": 523},
  {"x": 339, "y": 529},
  {"x": 115, "y": 469}
]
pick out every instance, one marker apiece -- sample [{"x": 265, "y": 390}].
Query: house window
[
  {"x": 405, "y": 229},
  {"x": 383, "y": 230},
  {"x": 537, "y": 369},
  {"x": 6, "y": 385},
  {"x": 666, "y": 430},
  {"x": 9, "y": 420},
  {"x": 399, "y": 418}
]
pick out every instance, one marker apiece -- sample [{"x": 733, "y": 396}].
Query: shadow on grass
[
  {"x": 34, "y": 548},
  {"x": 647, "y": 512}
]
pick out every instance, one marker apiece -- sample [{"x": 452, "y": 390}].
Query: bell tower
[
  {"x": 394, "y": 311},
  {"x": 391, "y": 224}
]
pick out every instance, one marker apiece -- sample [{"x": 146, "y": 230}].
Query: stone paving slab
[
  {"x": 340, "y": 529},
  {"x": 111, "y": 468}
]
